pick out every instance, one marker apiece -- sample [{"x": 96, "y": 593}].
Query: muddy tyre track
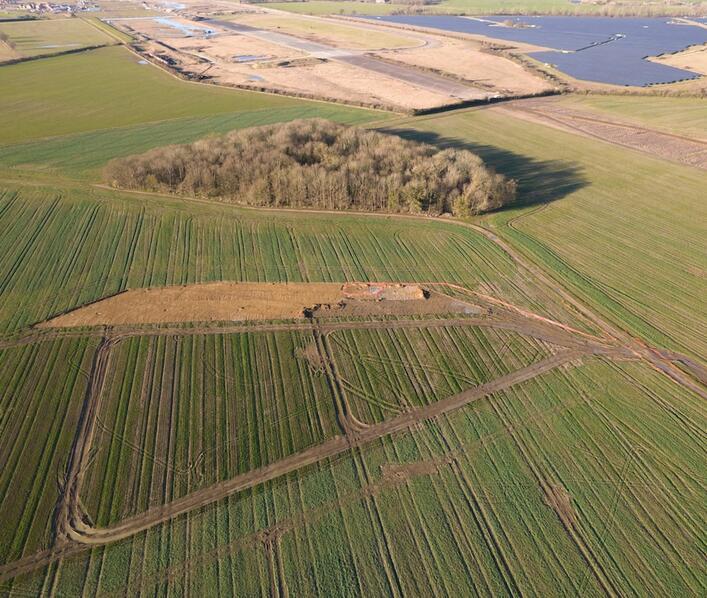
[
  {"x": 69, "y": 505},
  {"x": 81, "y": 532}
]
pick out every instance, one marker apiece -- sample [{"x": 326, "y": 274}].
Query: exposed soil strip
[
  {"x": 676, "y": 148},
  {"x": 247, "y": 301},
  {"x": 547, "y": 332},
  {"x": 430, "y": 81}
]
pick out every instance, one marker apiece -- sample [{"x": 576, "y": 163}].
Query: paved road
[{"x": 428, "y": 81}]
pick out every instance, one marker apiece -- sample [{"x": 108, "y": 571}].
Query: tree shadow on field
[{"x": 539, "y": 181}]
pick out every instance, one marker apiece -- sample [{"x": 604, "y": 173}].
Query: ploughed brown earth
[{"x": 241, "y": 301}]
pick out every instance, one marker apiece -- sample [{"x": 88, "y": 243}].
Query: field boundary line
[
  {"x": 246, "y": 88},
  {"x": 23, "y": 59},
  {"x": 108, "y": 30}
]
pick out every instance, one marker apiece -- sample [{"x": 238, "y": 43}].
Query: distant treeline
[
  {"x": 582, "y": 9},
  {"x": 320, "y": 164},
  {"x": 19, "y": 18}
]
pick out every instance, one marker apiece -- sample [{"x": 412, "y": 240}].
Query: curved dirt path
[
  {"x": 81, "y": 532},
  {"x": 79, "y": 455},
  {"x": 74, "y": 534},
  {"x": 69, "y": 517}
]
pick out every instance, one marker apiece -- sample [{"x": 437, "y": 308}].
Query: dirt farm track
[{"x": 677, "y": 148}]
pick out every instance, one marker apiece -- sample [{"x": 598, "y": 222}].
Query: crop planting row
[
  {"x": 43, "y": 388},
  {"x": 181, "y": 413},
  {"x": 59, "y": 253},
  {"x": 385, "y": 372},
  {"x": 619, "y": 236},
  {"x": 560, "y": 485},
  {"x": 659, "y": 280},
  {"x": 108, "y": 88},
  {"x": 613, "y": 454},
  {"x": 84, "y": 154}
]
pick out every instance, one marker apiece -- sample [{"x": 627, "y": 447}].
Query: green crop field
[
  {"x": 31, "y": 38},
  {"x": 69, "y": 246},
  {"x": 109, "y": 88},
  {"x": 83, "y": 155},
  {"x": 385, "y": 372},
  {"x": 532, "y": 441},
  {"x": 182, "y": 413},
  {"x": 602, "y": 219},
  {"x": 468, "y": 497},
  {"x": 42, "y": 386},
  {"x": 682, "y": 116}
]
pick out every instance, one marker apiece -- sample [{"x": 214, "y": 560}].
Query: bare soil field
[
  {"x": 232, "y": 58},
  {"x": 339, "y": 35},
  {"x": 691, "y": 59},
  {"x": 234, "y": 302},
  {"x": 466, "y": 60},
  {"x": 329, "y": 59},
  {"x": 343, "y": 82},
  {"x": 232, "y": 48},
  {"x": 549, "y": 111},
  {"x": 288, "y": 71}
]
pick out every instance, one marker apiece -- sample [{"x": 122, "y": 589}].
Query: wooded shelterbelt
[{"x": 319, "y": 164}]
